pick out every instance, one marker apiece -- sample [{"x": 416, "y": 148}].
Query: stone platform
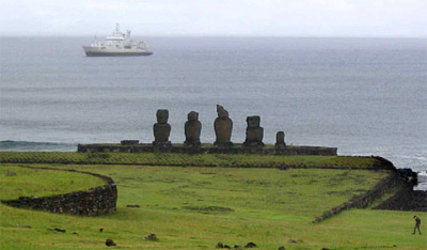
[{"x": 205, "y": 148}]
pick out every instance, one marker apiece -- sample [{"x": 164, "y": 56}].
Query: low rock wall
[
  {"x": 406, "y": 200},
  {"x": 362, "y": 201},
  {"x": 96, "y": 201}
]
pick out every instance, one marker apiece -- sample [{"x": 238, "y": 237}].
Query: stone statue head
[
  {"x": 222, "y": 113},
  {"x": 193, "y": 116},
  {"x": 280, "y": 137},
  {"x": 162, "y": 116},
  {"x": 253, "y": 121}
]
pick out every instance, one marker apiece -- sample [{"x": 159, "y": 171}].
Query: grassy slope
[
  {"x": 233, "y": 160},
  {"x": 271, "y": 207},
  {"x": 34, "y": 182}
]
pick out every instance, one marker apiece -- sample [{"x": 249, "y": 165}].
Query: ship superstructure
[{"x": 118, "y": 44}]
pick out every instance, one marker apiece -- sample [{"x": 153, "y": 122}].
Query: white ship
[{"x": 118, "y": 44}]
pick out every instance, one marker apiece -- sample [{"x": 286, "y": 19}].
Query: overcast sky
[{"x": 357, "y": 18}]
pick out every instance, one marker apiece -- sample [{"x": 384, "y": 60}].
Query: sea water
[{"x": 366, "y": 96}]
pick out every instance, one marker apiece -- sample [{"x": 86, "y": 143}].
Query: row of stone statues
[{"x": 223, "y": 129}]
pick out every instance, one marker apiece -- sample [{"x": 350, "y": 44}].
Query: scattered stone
[
  {"x": 162, "y": 129},
  {"x": 101, "y": 230},
  {"x": 254, "y": 132},
  {"x": 219, "y": 245},
  {"x": 227, "y": 246},
  {"x": 151, "y": 237},
  {"x": 110, "y": 243},
  {"x": 60, "y": 230},
  {"x": 130, "y": 205},
  {"x": 250, "y": 245},
  {"x": 282, "y": 248},
  {"x": 238, "y": 246},
  {"x": 193, "y": 128},
  {"x": 10, "y": 173},
  {"x": 223, "y": 127}
]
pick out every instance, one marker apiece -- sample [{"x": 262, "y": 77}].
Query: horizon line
[{"x": 219, "y": 35}]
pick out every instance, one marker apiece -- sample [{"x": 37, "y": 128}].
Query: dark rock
[
  {"x": 238, "y": 246},
  {"x": 110, "y": 243},
  {"x": 280, "y": 141},
  {"x": 130, "y": 205},
  {"x": 227, "y": 246},
  {"x": 408, "y": 175},
  {"x": 219, "y": 245},
  {"x": 223, "y": 127},
  {"x": 101, "y": 230},
  {"x": 162, "y": 128},
  {"x": 60, "y": 230},
  {"x": 75, "y": 233},
  {"x": 254, "y": 133},
  {"x": 193, "y": 128},
  {"x": 151, "y": 237},
  {"x": 282, "y": 248},
  {"x": 10, "y": 173},
  {"x": 250, "y": 245},
  {"x": 325, "y": 248}
]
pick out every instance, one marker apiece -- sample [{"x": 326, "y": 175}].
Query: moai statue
[
  {"x": 223, "y": 127},
  {"x": 162, "y": 129},
  {"x": 193, "y": 127},
  {"x": 254, "y": 133},
  {"x": 280, "y": 140}
]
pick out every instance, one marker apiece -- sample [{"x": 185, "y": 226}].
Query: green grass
[
  {"x": 37, "y": 182},
  {"x": 195, "y": 207},
  {"x": 229, "y": 160}
]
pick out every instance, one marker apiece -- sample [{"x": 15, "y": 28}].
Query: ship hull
[{"x": 90, "y": 51}]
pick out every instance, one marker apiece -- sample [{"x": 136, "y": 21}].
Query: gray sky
[{"x": 360, "y": 18}]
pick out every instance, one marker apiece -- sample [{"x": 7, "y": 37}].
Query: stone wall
[
  {"x": 206, "y": 148},
  {"x": 405, "y": 198},
  {"x": 96, "y": 201},
  {"x": 362, "y": 201}
]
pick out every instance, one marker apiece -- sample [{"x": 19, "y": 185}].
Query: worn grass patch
[{"x": 209, "y": 209}]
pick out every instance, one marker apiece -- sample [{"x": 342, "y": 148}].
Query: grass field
[
  {"x": 196, "y": 207},
  {"x": 225, "y": 160}
]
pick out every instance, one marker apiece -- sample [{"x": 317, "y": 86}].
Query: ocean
[{"x": 366, "y": 96}]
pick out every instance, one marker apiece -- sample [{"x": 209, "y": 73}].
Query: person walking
[{"x": 417, "y": 224}]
